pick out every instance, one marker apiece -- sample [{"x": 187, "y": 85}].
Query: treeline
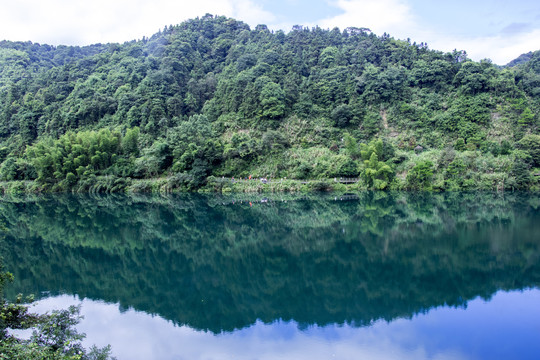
[{"x": 212, "y": 98}]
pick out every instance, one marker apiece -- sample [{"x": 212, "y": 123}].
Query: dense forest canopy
[{"x": 211, "y": 99}]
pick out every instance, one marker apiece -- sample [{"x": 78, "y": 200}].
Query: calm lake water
[{"x": 368, "y": 275}]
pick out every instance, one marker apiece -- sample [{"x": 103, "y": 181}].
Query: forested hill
[{"x": 211, "y": 99}]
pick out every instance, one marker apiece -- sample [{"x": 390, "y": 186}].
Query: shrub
[
  {"x": 420, "y": 176},
  {"x": 530, "y": 143}
]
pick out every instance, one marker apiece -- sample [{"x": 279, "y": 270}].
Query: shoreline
[{"x": 166, "y": 185}]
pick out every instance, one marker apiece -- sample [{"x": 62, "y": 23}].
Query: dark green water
[{"x": 310, "y": 267}]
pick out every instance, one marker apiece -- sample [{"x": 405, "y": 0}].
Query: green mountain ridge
[
  {"x": 522, "y": 59},
  {"x": 211, "y": 99}
]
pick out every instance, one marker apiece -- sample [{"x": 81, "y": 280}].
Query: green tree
[
  {"x": 371, "y": 123},
  {"x": 351, "y": 145},
  {"x": 420, "y": 176},
  {"x": 526, "y": 118},
  {"x": 272, "y": 101},
  {"x": 454, "y": 174},
  {"x": 130, "y": 142},
  {"x": 375, "y": 172},
  {"x": 520, "y": 172},
  {"x": 530, "y": 143},
  {"x": 342, "y": 115}
]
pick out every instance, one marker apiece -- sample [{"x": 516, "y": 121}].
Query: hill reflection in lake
[
  {"x": 220, "y": 263},
  {"x": 505, "y": 327}
]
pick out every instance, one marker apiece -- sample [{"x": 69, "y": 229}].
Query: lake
[{"x": 251, "y": 276}]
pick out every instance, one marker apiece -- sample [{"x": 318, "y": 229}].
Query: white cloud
[
  {"x": 136, "y": 335},
  {"x": 397, "y": 18},
  {"x": 390, "y": 16},
  {"x": 252, "y": 14},
  {"x": 75, "y": 22},
  {"x": 501, "y": 49}
]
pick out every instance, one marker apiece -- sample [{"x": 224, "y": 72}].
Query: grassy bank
[{"x": 485, "y": 182}]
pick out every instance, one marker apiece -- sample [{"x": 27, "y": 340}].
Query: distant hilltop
[{"x": 210, "y": 99}]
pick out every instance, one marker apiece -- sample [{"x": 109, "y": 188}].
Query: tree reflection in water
[{"x": 218, "y": 263}]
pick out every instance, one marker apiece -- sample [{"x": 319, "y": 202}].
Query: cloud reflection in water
[{"x": 506, "y": 326}]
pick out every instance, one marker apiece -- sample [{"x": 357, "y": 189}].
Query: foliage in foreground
[{"x": 53, "y": 337}]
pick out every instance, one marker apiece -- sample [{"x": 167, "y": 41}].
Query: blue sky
[{"x": 499, "y": 30}]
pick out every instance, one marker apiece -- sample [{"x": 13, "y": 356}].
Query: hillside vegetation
[{"x": 210, "y": 99}]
